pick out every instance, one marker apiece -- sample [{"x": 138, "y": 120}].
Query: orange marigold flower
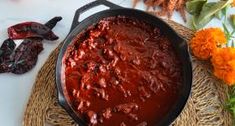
[
  {"x": 206, "y": 41},
  {"x": 233, "y": 3},
  {"x": 223, "y": 61},
  {"x": 218, "y": 35}
]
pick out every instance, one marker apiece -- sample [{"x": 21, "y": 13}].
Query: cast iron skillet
[{"x": 114, "y": 10}]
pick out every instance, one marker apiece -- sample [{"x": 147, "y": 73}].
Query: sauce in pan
[{"x": 122, "y": 72}]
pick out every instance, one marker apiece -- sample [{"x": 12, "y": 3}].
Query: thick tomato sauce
[{"x": 122, "y": 72}]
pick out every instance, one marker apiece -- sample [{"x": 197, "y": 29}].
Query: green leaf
[
  {"x": 227, "y": 34},
  {"x": 233, "y": 44},
  {"x": 194, "y": 27},
  {"x": 219, "y": 15},
  {"x": 233, "y": 31},
  {"x": 199, "y": 21},
  {"x": 225, "y": 28},
  {"x": 232, "y": 100},
  {"x": 233, "y": 110},
  {"x": 202, "y": 23},
  {"x": 194, "y": 7},
  {"x": 230, "y": 103},
  {"x": 224, "y": 10},
  {"x": 232, "y": 21},
  {"x": 208, "y": 11}
]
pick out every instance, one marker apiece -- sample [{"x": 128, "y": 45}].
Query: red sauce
[{"x": 122, "y": 72}]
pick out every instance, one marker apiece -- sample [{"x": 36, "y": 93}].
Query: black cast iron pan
[{"x": 114, "y": 10}]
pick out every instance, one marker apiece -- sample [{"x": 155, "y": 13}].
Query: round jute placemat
[{"x": 205, "y": 106}]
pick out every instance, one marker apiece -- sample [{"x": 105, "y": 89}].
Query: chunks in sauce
[{"x": 123, "y": 72}]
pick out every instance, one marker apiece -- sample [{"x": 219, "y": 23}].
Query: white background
[{"x": 15, "y": 89}]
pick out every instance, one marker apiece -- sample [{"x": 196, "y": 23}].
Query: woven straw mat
[{"x": 205, "y": 106}]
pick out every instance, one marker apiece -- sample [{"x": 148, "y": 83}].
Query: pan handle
[{"x": 89, "y": 6}]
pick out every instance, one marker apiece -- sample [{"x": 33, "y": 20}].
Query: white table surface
[{"x": 15, "y": 89}]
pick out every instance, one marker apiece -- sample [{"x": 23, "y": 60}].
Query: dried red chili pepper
[
  {"x": 31, "y": 30},
  {"x": 5, "y": 67},
  {"x": 25, "y": 60},
  {"x": 25, "y": 56},
  {"x": 51, "y": 23},
  {"x": 6, "y": 50}
]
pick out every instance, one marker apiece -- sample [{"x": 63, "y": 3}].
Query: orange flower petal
[
  {"x": 223, "y": 61},
  {"x": 205, "y": 42},
  {"x": 233, "y": 3}
]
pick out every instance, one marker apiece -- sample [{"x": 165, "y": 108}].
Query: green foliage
[
  {"x": 219, "y": 15},
  {"x": 232, "y": 21},
  {"x": 194, "y": 7},
  {"x": 231, "y": 101},
  {"x": 203, "y": 12}
]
